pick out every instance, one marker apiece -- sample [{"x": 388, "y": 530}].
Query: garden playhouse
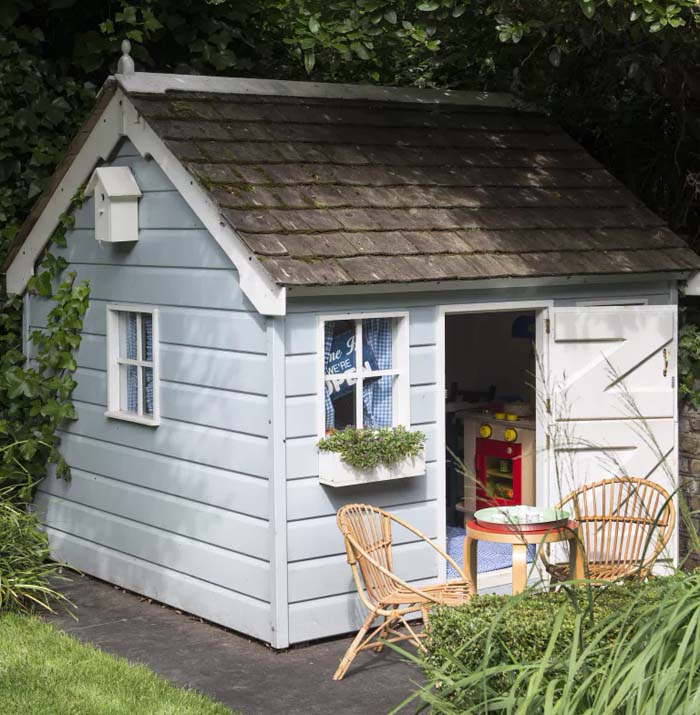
[{"x": 240, "y": 234}]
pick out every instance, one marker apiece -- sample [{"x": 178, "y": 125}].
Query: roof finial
[{"x": 125, "y": 64}]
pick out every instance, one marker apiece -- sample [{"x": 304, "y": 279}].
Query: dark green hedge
[{"x": 493, "y": 630}]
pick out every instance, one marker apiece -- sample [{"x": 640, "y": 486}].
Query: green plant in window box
[{"x": 368, "y": 448}]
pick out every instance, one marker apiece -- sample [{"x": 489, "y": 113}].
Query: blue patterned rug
[{"x": 490, "y": 557}]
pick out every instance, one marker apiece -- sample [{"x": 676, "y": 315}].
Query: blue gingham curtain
[
  {"x": 148, "y": 355},
  {"x": 327, "y": 342},
  {"x": 132, "y": 386},
  {"x": 377, "y": 394}
]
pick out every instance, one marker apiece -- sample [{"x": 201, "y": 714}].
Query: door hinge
[
  {"x": 547, "y": 442},
  {"x": 548, "y": 406},
  {"x": 547, "y": 326}
]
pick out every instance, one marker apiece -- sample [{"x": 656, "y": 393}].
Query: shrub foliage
[{"x": 614, "y": 650}]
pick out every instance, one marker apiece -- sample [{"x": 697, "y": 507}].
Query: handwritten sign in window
[{"x": 341, "y": 359}]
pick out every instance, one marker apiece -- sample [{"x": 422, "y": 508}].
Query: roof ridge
[{"x": 157, "y": 83}]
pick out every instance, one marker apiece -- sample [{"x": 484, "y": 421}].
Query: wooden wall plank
[
  {"x": 223, "y": 409},
  {"x": 194, "y": 443},
  {"x": 208, "y": 485},
  {"x": 183, "y": 287},
  {"x": 166, "y": 248},
  {"x": 196, "y": 327},
  {"x": 240, "y": 372},
  {"x": 206, "y": 600},
  {"x": 228, "y": 569},
  {"x": 331, "y": 576},
  {"x": 192, "y": 519},
  {"x": 324, "y": 617},
  {"x": 314, "y": 538},
  {"x": 147, "y": 173},
  {"x": 306, "y": 498}
]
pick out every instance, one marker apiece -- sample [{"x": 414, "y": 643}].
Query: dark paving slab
[{"x": 243, "y": 674}]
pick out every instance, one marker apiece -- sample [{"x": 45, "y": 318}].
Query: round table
[{"x": 520, "y": 540}]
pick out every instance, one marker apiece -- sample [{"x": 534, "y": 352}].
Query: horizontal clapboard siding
[
  {"x": 198, "y": 559},
  {"x": 211, "y": 524},
  {"x": 223, "y": 409},
  {"x": 178, "y": 512},
  {"x": 321, "y": 593},
  {"x": 331, "y": 576},
  {"x": 167, "y": 475},
  {"x": 214, "y": 603},
  {"x": 237, "y": 332}
]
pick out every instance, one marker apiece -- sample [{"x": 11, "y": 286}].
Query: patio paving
[{"x": 243, "y": 674}]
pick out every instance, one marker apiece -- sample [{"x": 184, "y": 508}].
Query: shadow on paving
[{"x": 242, "y": 674}]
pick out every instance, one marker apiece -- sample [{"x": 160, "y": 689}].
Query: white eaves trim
[
  {"x": 98, "y": 146},
  {"x": 267, "y": 297},
  {"x": 119, "y": 119},
  {"x": 153, "y": 83}
]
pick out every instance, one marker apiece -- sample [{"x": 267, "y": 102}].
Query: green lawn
[{"x": 44, "y": 672}]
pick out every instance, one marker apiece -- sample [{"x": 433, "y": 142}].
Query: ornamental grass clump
[
  {"x": 368, "y": 448},
  {"x": 25, "y": 569},
  {"x": 621, "y": 650}
]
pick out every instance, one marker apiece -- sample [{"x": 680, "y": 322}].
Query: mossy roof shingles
[{"x": 336, "y": 192}]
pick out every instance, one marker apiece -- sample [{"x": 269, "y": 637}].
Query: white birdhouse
[{"x": 116, "y": 204}]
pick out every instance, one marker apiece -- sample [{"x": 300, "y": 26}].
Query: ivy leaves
[{"x": 35, "y": 394}]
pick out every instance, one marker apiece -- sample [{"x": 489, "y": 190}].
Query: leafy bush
[
  {"x": 689, "y": 364},
  {"x": 24, "y": 553},
  {"x": 632, "y": 649},
  {"x": 368, "y": 448}
]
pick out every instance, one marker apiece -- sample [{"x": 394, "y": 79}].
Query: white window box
[{"x": 334, "y": 472}]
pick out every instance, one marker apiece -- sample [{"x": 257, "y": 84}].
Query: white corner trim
[
  {"x": 267, "y": 297},
  {"x": 99, "y": 144},
  {"x": 154, "y": 83}
]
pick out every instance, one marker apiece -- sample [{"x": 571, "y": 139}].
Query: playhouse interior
[{"x": 490, "y": 418}]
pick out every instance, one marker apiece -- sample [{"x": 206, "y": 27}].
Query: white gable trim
[
  {"x": 267, "y": 297},
  {"x": 98, "y": 146},
  {"x": 160, "y": 83},
  {"x": 119, "y": 119}
]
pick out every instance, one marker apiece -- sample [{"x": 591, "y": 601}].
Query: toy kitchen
[{"x": 499, "y": 458}]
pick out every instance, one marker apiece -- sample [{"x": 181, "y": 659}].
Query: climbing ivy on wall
[{"x": 35, "y": 394}]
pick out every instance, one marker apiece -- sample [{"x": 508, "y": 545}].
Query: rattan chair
[
  {"x": 368, "y": 544},
  {"x": 625, "y": 523}
]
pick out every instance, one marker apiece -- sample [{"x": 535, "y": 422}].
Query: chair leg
[{"x": 352, "y": 651}]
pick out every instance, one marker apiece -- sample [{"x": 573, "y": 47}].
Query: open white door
[{"x": 610, "y": 402}]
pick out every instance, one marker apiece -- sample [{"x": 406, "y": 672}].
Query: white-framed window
[
  {"x": 372, "y": 391},
  {"x": 132, "y": 364}
]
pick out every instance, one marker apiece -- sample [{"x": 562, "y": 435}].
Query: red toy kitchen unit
[{"x": 499, "y": 461}]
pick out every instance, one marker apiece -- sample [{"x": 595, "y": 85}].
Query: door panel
[{"x": 612, "y": 391}]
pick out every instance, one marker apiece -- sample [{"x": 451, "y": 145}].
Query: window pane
[
  {"x": 147, "y": 336},
  {"x": 340, "y": 406},
  {"x": 128, "y": 383},
  {"x": 377, "y": 343},
  {"x": 339, "y": 347},
  {"x": 148, "y": 390},
  {"x": 377, "y": 401},
  {"x": 130, "y": 320}
]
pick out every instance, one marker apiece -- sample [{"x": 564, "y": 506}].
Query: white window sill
[
  {"x": 334, "y": 472},
  {"x": 129, "y": 417}
]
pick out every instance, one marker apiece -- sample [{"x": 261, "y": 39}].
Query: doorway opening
[{"x": 490, "y": 424}]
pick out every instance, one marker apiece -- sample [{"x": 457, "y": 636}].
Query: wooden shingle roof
[{"x": 335, "y": 192}]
